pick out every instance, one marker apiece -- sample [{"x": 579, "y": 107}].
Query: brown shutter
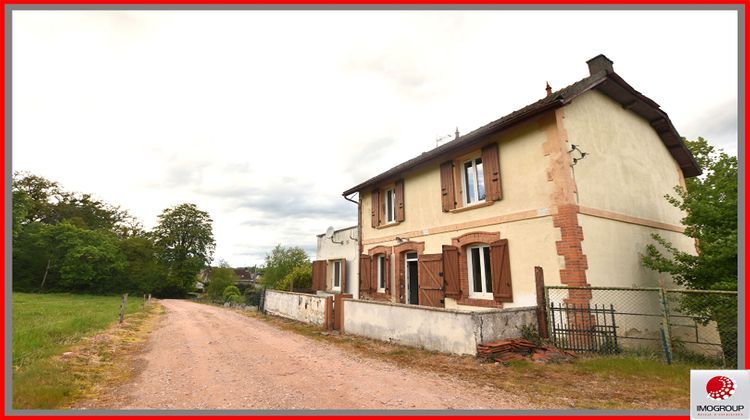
[
  {"x": 447, "y": 188},
  {"x": 374, "y": 274},
  {"x": 364, "y": 273},
  {"x": 491, "y": 164},
  {"x": 400, "y": 200},
  {"x": 450, "y": 272},
  {"x": 319, "y": 275},
  {"x": 343, "y": 275},
  {"x": 431, "y": 291},
  {"x": 500, "y": 267},
  {"x": 375, "y": 204}
]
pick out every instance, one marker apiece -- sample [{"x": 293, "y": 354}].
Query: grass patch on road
[
  {"x": 47, "y": 325},
  {"x": 615, "y": 382}
]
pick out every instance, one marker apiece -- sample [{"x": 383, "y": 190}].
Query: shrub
[
  {"x": 231, "y": 291},
  {"x": 219, "y": 279},
  {"x": 299, "y": 277}
]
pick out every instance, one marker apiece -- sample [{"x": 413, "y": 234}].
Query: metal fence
[{"x": 690, "y": 325}]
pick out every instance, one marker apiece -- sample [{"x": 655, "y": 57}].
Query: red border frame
[{"x": 378, "y": 2}]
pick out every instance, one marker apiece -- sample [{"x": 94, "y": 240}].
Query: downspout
[{"x": 359, "y": 232}]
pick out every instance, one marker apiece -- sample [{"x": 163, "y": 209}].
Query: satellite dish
[{"x": 329, "y": 232}]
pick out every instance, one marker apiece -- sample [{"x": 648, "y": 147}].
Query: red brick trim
[
  {"x": 380, "y": 250},
  {"x": 399, "y": 251},
  {"x": 461, "y": 243},
  {"x": 372, "y": 252},
  {"x": 569, "y": 247}
]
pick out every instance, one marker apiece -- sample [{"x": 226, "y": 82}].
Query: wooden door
[{"x": 431, "y": 290}]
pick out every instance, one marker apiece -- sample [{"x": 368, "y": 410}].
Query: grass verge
[
  {"x": 66, "y": 347},
  {"x": 613, "y": 382}
]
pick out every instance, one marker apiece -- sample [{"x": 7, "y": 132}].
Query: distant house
[
  {"x": 246, "y": 276},
  {"x": 336, "y": 264},
  {"x": 573, "y": 183}
]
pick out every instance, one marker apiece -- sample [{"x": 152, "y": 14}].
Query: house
[
  {"x": 336, "y": 262},
  {"x": 573, "y": 183}
]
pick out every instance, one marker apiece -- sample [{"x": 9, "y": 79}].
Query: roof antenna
[
  {"x": 548, "y": 89},
  {"x": 456, "y": 132}
]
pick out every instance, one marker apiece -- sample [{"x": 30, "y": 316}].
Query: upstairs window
[
  {"x": 473, "y": 181},
  {"x": 480, "y": 275},
  {"x": 390, "y": 205}
]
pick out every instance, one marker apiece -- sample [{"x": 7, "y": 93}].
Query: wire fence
[{"x": 690, "y": 325}]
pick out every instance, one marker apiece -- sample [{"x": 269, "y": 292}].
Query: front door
[{"x": 412, "y": 279}]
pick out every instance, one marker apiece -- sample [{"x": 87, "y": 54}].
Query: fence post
[
  {"x": 122, "y": 306},
  {"x": 262, "y": 301},
  {"x": 666, "y": 330},
  {"x": 541, "y": 303}
]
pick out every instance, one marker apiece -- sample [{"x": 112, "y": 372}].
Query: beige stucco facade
[{"x": 614, "y": 197}]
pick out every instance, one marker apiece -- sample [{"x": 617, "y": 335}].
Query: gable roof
[{"x": 606, "y": 81}]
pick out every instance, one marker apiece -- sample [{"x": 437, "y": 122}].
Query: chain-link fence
[{"x": 691, "y": 325}]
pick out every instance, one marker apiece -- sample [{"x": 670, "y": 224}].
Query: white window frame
[
  {"x": 381, "y": 274},
  {"x": 336, "y": 263},
  {"x": 391, "y": 192},
  {"x": 475, "y": 186},
  {"x": 470, "y": 265}
]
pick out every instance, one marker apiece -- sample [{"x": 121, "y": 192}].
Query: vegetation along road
[{"x": 206, "y": 357}]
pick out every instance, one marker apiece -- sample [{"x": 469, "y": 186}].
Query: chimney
[
  {"x": 456, "y": 132},
  {"x": 599, "y": 63},
  {"x": 548, "y": 89}
]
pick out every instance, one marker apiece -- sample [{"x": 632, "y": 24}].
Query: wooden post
[
  {"x": 46, "y": 270},
  {"x": 541, "y": 303},
  {"x": 122, "y": 306},
  {"x": 666, "y": 329}
]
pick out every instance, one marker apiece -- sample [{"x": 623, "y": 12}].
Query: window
[
  {"x": 390, "y": 206},
  {"x": 381, "y": 273},
  {"x": 472, "y": 175},
  {"x": 480, "y": 276},
  {"x": 336, "y": 275}
]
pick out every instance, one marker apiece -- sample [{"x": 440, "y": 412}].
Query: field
[{"x": 47, "y": 325}]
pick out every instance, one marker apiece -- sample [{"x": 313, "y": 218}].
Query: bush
[
  {"x": 252, "y": 295},
  {"x": 219, "y": 279},
  {"x": 300, "y": 277},
  {"x": 231, "y": 291}
]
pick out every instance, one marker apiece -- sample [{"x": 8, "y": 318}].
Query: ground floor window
[
  {"x": 336, "y": 275},
  {"x": 381, "y": 273},
  {"x": 480, "y": 276}
]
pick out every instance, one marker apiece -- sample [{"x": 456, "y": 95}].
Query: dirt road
[{"x": 204, "y": 357}]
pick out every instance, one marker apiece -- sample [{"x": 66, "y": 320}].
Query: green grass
[{"x": 45, "y": 326}]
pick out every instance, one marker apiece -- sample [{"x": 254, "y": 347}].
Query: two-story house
[{"x": 574, "y": 183}]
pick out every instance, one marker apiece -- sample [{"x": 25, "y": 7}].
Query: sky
[{"x": 263, "y": 118}]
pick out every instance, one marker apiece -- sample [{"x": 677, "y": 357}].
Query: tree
[
  {"x": 299, "y": 278},
  {"x": 185, "y": 244},
  {"x": 280, "y": 262},
  {"x": 219, "y": 279},
  {"x": 232, "y": 294},
  {"x": 710, "y": 204}
]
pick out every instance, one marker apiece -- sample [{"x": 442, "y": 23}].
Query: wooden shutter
[
  {"x": 400, "y": 200},
  {"x": 431, "y": 280},
  {"x": 491, "y": 164},
  {"x": 364, "y": 273},
  {"x": 319, "y": 275},
  {"x": 447, "y": 189},
  {"x": 500, "y": 267},
  {"x": 375, "y": 204},
  {"x": 343, "y": 275},
  {"x": 450, "y": 272}
]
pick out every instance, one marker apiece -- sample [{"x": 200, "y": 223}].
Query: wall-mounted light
[
  {"x": 401, "y": 240},
  {"x": 581, "y": 154}
]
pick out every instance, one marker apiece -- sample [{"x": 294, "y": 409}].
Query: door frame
[
  {"x": 407, "y": 277},
  {"x": 400, "y": 253}
]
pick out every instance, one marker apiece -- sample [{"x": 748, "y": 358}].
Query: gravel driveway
[{"x": 206, "y": 357}]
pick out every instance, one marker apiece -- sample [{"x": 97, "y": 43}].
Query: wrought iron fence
[{"x": 692, "y": 325}]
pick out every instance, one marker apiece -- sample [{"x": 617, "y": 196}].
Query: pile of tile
[{"x": 510, "y": 349}]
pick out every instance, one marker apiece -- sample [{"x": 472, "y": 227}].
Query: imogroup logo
[
  {"x": 720, "y": 388},
  {"x": 719, "y": 394}
]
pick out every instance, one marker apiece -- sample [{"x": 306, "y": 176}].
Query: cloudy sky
[{"x": 263, "y": 118}]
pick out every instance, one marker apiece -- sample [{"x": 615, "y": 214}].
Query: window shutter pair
[
  {"x": 500, "y": 266},
  {"x": 379, "y": 202},
  {"x": 364, "y": 273},
  {"x": 374, "y": 273},
  {"x": 319, "y": 275},
  {"x": 492, "y": 181}
]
